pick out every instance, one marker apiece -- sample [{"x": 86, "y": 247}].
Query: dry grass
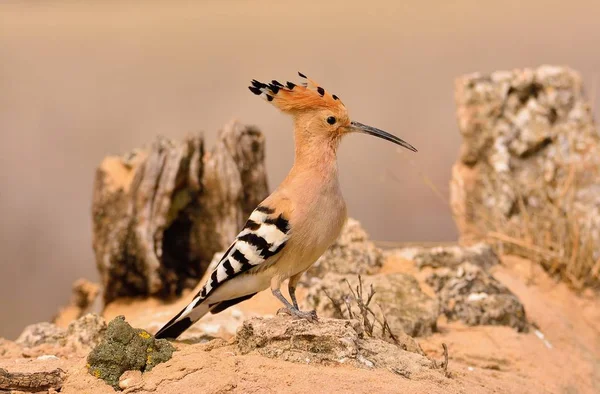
[{"x": 552, "y": 234}]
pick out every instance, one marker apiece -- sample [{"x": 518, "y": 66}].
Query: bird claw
[{"x": 311, "y": 316}]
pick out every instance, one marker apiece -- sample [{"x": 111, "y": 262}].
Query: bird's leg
[
  {"x": 292, "y": 309},
  {"x": 292, "y": 288}
]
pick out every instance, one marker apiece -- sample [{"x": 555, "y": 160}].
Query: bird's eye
[{"x": 331, "y": 120}]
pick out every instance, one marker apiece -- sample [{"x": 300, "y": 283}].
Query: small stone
[
  {"x": 47, "y": 357},
  {"x": 130, "y": 379}
]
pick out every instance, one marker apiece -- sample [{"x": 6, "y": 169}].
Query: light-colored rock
[
  {"x": 470, "y": 294},
  {"x": 42, "y": 333},
  {"x": 299, "y": 340},
  {"x": 330, "y": 342},
  {"x": 352, "y": 253},
  {"x": 79, "y": 337},
  {"x": 86, "y": 332},
  {"x": 480, "y": 254},
  {"x": 398, "y": 297},
  {"x": 529, "y": 167}
]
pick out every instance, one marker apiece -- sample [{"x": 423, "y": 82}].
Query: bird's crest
[{"x": 293, "y": 98}]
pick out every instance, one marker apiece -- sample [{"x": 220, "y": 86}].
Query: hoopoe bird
[{"x": 296, "y": 224}]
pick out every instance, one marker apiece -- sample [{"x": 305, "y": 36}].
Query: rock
[
  {"x": 480, "y": 254},
  {"x": 86, "y": 332},
  {"x": 352, "y": 253},
  {"x": 297, "y": 340},
  {"x": 528, "y": 173},
  {"x": 160, "y": 213},
  {"x": 383, "y": 354},
  {"x": 78, "y": 338},
  {"x": 470, "y": 294},
  {"x": 42, "y": 333},
  {"x": 81, "y": 334},
  {"x": 398, "y": 297},
  {"x": 124, "y": 348},
  {"x": 330, "y": 342},
  {"x": 130, "y": 379}
]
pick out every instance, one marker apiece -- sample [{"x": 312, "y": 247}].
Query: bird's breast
[{"x": 318, "y": 224}]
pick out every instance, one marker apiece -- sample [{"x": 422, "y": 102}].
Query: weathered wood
[
  {"x": 32, "y": 382},
  {"x": 161, "y": 213}
]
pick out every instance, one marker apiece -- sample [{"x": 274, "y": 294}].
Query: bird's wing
[
  {"x": 261, "y": 240},
  {"x": 264, "y": 235}
]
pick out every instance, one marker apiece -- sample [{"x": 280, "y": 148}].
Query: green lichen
[{"x": 124, "y": 348}]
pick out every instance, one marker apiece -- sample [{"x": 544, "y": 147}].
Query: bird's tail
[{"x": 183, "y": 320}]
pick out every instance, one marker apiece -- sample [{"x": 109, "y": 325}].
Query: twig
[
  {"x": 386, "y": 327},
  {"x": 445, "y": 364},
  {"x": 337, "y": 308}
]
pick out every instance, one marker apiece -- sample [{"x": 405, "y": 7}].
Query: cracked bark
[
  {"x": 32, "y": 382},
  {"x": 159, "y": 214}
]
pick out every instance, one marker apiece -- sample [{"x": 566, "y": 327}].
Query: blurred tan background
[{"x": 79, "y": 81}]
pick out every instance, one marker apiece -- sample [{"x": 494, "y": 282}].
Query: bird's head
[{"x": 316, "y": 110}]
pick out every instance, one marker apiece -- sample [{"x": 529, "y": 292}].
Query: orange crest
[{"x": 293, "y": 98}]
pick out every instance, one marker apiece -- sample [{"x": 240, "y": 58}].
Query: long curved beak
[{"x": 363, "y": 128}]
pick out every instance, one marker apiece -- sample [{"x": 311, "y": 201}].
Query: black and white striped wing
[{"x": 262, "y": 238}]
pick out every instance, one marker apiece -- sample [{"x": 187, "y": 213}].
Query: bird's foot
[{"x": 311, "y": 316}]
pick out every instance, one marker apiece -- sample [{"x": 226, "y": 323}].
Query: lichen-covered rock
[
  {"x": 480, "y": 254},
  {"x": 352, "y": 253},
  {"x": 528, "y": 175},
  {"x": 124, "y": 348},
  {"x": 330, "y": 342},
  {"x": 470, "y": 294},
  {"x": 398, "y": 297}
]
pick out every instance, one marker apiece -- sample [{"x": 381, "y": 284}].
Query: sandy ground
[{"x": 560, "y": 354}]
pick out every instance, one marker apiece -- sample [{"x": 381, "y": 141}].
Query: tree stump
[{"x": 160, "y": 213}]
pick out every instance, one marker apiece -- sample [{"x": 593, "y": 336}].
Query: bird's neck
[
  {"x": 313, "y": 180},
  {"x": 315, "y": 153}
]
